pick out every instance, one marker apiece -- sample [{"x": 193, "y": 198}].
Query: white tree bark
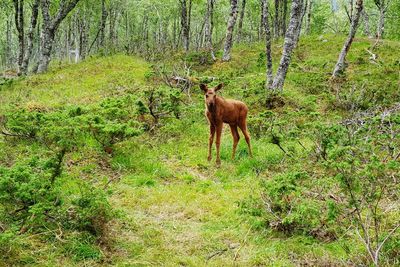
[
  {"x": 229, "y": 31},
  {"x": 19, "y": 25},
  {"x": 240, "y": 25},
  {"x": 308, "y": 21},
  {"x": 291, "y": 39},
  {"x": 29, "y": 46},
  {"x": 367, "y": 30},
  {"x": 185, "y": 23},
  {"x": 267, "y": 30},
  {"x": 340, "y": 65},
  {"x": 49, "y": 28},
  {"x": 382, "y": 6},
  {"x": 208, "y": 28}
]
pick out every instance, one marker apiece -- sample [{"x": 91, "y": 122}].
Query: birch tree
[
  {"x": 340, "y": 65},
  {"x": 208, "y": 28},
  {"x": 19, "y": 24},
  {"x": 49, "y": 29},
  {"x": 290, "y": 42},
  {"x": 382, "y": 7},
  {"x": 267, "y": 31},
  {"x": 185, "y": 22},
  {"x": 30, "y": 38},
  {"x": 229, "y": 31},
  {"x": 240, "y": 23}
]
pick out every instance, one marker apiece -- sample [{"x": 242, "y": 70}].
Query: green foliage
[
  {"x": 291, "y": 208},
  {"x": 90, "y": 211},
  {"x": 160, "y": 102},
  {"x": 33, "y": 203},
  {"x": 27, "y": 194},
  {"x": 113, "y": 121}
]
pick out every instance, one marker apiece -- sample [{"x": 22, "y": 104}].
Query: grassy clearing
[{"x": 174, "y": 207}]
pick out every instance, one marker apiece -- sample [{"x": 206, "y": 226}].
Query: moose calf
[{"x": 220, "y": 111}]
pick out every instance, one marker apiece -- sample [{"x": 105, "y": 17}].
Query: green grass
[
  {"x": 175, "y": 208},
  {"x": 84, "y": 83}
]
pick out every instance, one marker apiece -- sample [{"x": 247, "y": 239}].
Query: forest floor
[{"x": 174, "y": 207}]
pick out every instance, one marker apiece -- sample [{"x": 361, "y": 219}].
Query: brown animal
[{"x": 220, "y": 111}]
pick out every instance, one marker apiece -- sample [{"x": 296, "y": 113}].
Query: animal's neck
[{"x": 213, "y": 107}]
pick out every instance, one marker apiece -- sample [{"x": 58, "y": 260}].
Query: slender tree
[
  {"x": 340, "y": 65},
  {"x": 308, "y": 19},
  {"x": 383, "y": 7},
  {"x": 267, "y": 30},
  {"x": 185, "y": 22},
  {"x": 49, "y": 29},
  {"x": 104, "y": 15},
  {"x": 229, "y": 31},
  {"x": 19, "y": 24},
  {"x": 240, "y": 23},
  {"x": 276, "y": 19},
  {"x": 30, "y": 38},
  {"x": 291, "y": 39},
  {"x": 367, "y": 30},
  {"x": 208, "y": 28},
  {"x": 284, "y": 17}
]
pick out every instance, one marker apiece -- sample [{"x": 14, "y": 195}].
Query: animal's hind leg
[
  {"x": 210, "y": 141},
  {"x": 236, "y": 137},
  {"x": 243, "y": 127},
  {"x": 218, "y": 142}
]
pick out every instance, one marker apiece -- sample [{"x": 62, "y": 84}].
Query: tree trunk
[
  {"x": 381, "y": 21},
  {"x": 112, "y": 35},
  {"x": 104, "y": 15},
  {"x": 229, "y": 31},
  {"x": 267, "y": 30},
  {"x": 283, "y": 29},
  {"x": 185, "y": 23},
  {"x": 276, "y": 19},
  {"x": 261, "y": 30},
  {"x": 308, "y": 21},
  {"x": 29, "y": 47},
  {"x": 49, "y": 28},
  {"x": 367, "y": 30},
  {"x": 208, "y": 29},
  {"x": 241, "y": 17},
  {"x": 291, "y": 39},
  {"x": 46, "y": 45},
  {"x": 8, "y": 53},
  {"x": 83, "y": 36},
  {"x": 340, "y": 65},
  {"x": 19, "y": 24},
  {"x": 303, "y": 13}
]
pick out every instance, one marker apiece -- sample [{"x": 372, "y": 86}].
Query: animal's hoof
[
  {"x": 218, "y": 162},
  {"x": 209, "y": 158}
]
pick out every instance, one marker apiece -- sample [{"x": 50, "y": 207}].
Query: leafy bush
[
  {"x": 365, "y": 165},
  {"x": 27, "y": 194},
  {"x": 32, "y": 203},
  {"x": 31, "y": 200},
  {"x": 90, "y": 211},
  {"x": 291, "y": 207},
  {"x": 160, "y": 102},
  {"x": 9, "y": 244}
]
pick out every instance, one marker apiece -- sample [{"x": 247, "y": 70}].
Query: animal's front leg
[
  {"x": 218, "y": 142},
  {"x": 210, "y": 141}
]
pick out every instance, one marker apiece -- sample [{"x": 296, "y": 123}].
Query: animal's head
[{"x": 210, "y": 94}]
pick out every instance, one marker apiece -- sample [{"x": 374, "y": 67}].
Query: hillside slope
[{"x": 173, "y": 207}]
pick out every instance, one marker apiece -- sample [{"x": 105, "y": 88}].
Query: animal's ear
[
  {"x": 219, "y": 86},
  {"x": 203, "y": 87}
]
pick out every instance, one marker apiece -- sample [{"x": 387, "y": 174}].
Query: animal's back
[{"x": 235, "y": 111}]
